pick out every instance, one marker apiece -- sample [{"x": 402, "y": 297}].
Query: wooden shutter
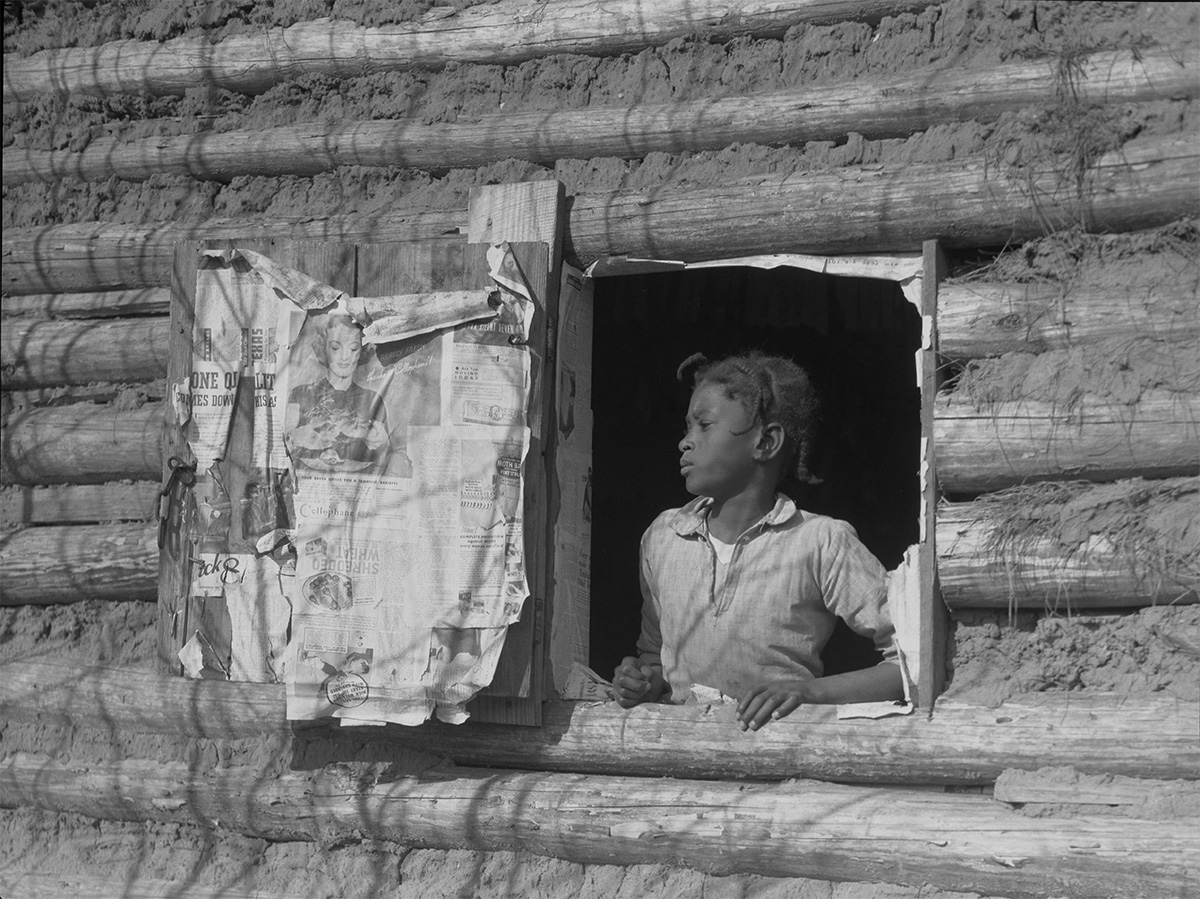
[
  {"x": 934, "y": 619},
  {"x": 529, "y": 217}
]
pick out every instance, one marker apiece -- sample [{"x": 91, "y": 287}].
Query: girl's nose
[{"x": 686, "y": 443}]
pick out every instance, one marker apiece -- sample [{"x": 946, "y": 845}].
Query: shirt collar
[{"x": 692, "y": 518}]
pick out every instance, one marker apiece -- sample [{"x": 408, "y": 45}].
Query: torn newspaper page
[
  {"x": 373, "y": 495},
  {"x": 411, "y": 315},
  {"x": 886, "y": 709},
  {"x": 409, "y": 458},
  {"x": 233, "y": 334},
  {"x": 582, "y": 683}
]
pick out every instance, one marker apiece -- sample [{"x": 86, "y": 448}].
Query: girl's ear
[{"x": 770, "y": 441}]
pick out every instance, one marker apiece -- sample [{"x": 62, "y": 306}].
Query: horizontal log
[
  {"x": 72, "y": 563},
  {"x": 495, "y": 34},
  {"x": 78, "y": 503},
  {"x": 797, "y": 829},
  {"x": 96, "y": 304},
  {"x": 862, "y": 209},
  {"x": 53, "y": 353},
  {"x": 998, "y": 445},
  {"x": 96, "y": 257},
  {"x": 958, "y": 744},
  {"x": 88, "y": 257},
  {"x": 122, "y": 882},
  {"x": 1024, "y": 550},
  {"x": 1068, "y": 786},
  {"x": 898, "y": 106},
  {"x": 977, "y": 319},
  {"x": 1146, "y": 736},
  {"x": 889, "y": 208},
  {"x": 83, "y": 444},
  {"x": 98, "y": 392}
]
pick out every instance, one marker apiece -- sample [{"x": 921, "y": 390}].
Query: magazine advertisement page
[{"x": 385, "y": 500}]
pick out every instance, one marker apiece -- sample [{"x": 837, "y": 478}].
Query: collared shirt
[{"x": 767, "y": 614}]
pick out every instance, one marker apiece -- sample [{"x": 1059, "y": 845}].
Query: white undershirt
[{"x": 723, "y": 550}]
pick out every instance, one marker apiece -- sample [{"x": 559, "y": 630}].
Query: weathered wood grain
[
  {"x": 795, "y": 829},
  {"x": 71, "y": 563},
  {"x": 53, "y": 353},
  {"x": 94, "y": 304},
  {"x": 78, "y": 504},
  {"x": 1069, "y": 787},
  {"x": 83, "y": 444},
  {"x": 501, "y": 33},
  {"x": 977, "y": 319},
  {"x": 1149, "y": 182},
  {"x": 985, "y": 562},
  {"x": 122, "y": 885},
  {"x": 897, "y": 106},
  {"x": 1143, "y": 736},
  {"x": 987, "y": 447}
]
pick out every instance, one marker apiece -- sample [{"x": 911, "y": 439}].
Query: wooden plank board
[
  {"x": 174, "y": 563},
  {"x": 527, "y": 212},
  {"x": 934, "y": 618},
  {"x": 569, "y": 498},
  {"x": 531, "y": 216},
  {"x": 406, "y": 268}
]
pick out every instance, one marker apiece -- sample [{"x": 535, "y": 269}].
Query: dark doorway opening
[{"x": 856, "y": 337}]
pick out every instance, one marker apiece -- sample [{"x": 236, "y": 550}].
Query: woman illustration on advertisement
[{"x": 334, "y": 423}]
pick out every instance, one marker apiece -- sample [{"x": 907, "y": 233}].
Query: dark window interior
[{"x": 856, "y": 338}]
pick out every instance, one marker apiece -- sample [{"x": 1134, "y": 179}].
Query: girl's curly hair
[{"x": 770, "y": 389}]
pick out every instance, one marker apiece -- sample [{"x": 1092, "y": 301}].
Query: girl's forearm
[{"x": 883, "y": 682}]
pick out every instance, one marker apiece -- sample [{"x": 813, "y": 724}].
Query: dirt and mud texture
[
  {"x": 994, "y": 655},
  {"x": 998, "y": 655}
]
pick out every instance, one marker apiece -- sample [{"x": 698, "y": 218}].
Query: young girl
[{"x": 741, "y": 589}]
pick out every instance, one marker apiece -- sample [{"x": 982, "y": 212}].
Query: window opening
[{"x": 855, "y": 336}]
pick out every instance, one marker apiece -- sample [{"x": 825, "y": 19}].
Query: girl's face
[
  {"x": 717, "y": 450},
  {"x": 343, "y": 346}
]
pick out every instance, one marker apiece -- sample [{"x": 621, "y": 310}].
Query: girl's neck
[
  {"x": 340, "y": 382},
  {"x": 728, "y": 519}
]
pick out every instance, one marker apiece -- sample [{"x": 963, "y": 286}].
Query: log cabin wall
[{"x": 1049, "y": 147}]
